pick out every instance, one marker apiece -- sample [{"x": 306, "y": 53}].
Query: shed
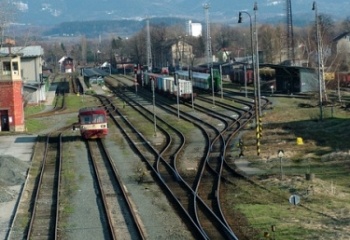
[
  {"x": 294, "y": 79},
  {"x": 34, "y": 93},
  {"x": 93, "y": 75}
]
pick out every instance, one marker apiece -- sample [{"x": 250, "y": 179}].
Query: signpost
[
  {"x": 280, "y": 154},
  {"x": 294, "y": 199}
]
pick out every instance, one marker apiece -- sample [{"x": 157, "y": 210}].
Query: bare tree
[
  {"x": 267, "y": 40},
  {"x": 83, "y": 45},
  {"x": 345, "y": 25},
  {"x": 159, "y": 39},
  {"x": 225, "y": 39},
  {"x": 7, "y": 16},
  {"x": 137, "y": 49}
]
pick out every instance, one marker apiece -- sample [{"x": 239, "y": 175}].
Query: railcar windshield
[{"x": 94, "y": 118}]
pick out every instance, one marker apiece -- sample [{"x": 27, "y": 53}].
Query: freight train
[
  {"x": 203, "y": 81},
  {"x": 92, "y": 122},
  {"x": 237, "y": 75},
  {"x": 334, "y": 80},
  {"x": 165, "y": 85}
]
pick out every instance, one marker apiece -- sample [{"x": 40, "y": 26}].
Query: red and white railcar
[{"x": 93, "y": 122}]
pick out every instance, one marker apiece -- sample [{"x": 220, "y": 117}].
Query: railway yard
[{"x": 178, "y": 171}]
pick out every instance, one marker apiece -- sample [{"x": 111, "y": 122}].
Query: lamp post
[
  {"x": 212, "y": 83},
  {"x": 222, "y": 90},
  {"x": 190, "y": 75},
  {"x": 177, "y": 83},
  {"x": 245, "y": 80},
  {"x": 154, "y": 112},
  {"x": 314, "y": 8},
  {"x": 255, "y": 79},
  {"x": 257, "y": 57}
]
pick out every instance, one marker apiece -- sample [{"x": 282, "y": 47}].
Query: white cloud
[
  {"x": 273, "y": 2},
  {"x": 21, "y": 6}
]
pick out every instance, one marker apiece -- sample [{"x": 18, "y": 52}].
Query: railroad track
[
  {"x": 160, "y": 168},
  {"x": 43, "y": 222},
  {"x": 219, "y": 165},
  {"x": 216, "y": 167},
  {"x": 214, "y": 226},
  {"x": 122, "y": 221}
]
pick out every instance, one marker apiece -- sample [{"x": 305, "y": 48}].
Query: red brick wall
[{"x": 11, "y": 98}]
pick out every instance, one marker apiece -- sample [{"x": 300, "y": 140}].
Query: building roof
[
  {"x": 64, "y": 58},
  {"x": 340, "y": 36},
  {"x": 28, "y": 51},
  {"x": 91, "y": 72}
]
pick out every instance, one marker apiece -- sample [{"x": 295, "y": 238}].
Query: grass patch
[
  {"x": 75, "y": 102},
  {"x": 324, "y": 153},
  {"x": 29, "y": 110}
]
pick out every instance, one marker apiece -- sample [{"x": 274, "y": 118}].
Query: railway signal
[
  {"x": 260, "y": 127},
  {"x": 258, "y": 134}
]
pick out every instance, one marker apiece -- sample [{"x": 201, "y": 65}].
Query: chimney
[{"x": 9, "y": 42}]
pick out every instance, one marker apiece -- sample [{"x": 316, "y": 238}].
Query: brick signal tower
[{"x": 11, "y": 92}]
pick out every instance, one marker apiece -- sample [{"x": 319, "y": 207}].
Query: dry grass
[{"x": 324, "y": 209}]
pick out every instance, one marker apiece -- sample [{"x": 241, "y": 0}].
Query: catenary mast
[
  {"x": 149, "y": 50},
  {"x": 290, "y": 34},
  {"x": 208, "y": 38}
]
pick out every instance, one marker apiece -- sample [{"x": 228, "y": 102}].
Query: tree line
[{"x": 231, "y": 40}]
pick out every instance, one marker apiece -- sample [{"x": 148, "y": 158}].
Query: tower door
[{"x": 4, "y": 120}]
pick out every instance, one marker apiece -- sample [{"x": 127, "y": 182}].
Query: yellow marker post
[{"x": 300, "y": 141}]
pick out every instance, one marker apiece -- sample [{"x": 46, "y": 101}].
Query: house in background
[
  {"x": 181, "y": 54},
  {"x": 31, "y": 61},
  {"x": 66, "y": 64},
  {"x": 342, "y": 43},
  {"x": 31, "y": 70}
]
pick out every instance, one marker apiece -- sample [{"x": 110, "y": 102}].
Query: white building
[{"x": 194, "y": 29}]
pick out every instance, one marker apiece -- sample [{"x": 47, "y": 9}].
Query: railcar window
[
  {"x": 86, "y": 119},
  {"x": 98, "y": 118}
]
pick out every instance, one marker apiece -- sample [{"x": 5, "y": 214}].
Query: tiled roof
[{"x": 29, "y": 51}]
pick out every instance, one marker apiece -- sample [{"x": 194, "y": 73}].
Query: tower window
[{"x": 15, "y": 66}]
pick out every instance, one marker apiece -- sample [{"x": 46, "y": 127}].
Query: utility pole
[
  {"x": 149, "y": 49},
  {"x": 290, "y": 33},
  {"x": 208, "y": 46},
  {"x": 319, "y": 60},
  {"x": 257, "y": 57},
  {"x": 208, "y": 38}
]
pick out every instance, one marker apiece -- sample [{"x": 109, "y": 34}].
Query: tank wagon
[{"x": 93, "y": 122}]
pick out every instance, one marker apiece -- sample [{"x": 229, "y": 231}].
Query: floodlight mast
[{"x": 320, "y": 80}]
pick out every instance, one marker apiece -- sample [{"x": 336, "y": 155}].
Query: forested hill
[{"x": 123, "y": 28}]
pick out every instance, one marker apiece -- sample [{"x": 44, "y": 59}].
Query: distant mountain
[
  {"x": 123, "y": 28},
  {"x": 52, "y": 12}
]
